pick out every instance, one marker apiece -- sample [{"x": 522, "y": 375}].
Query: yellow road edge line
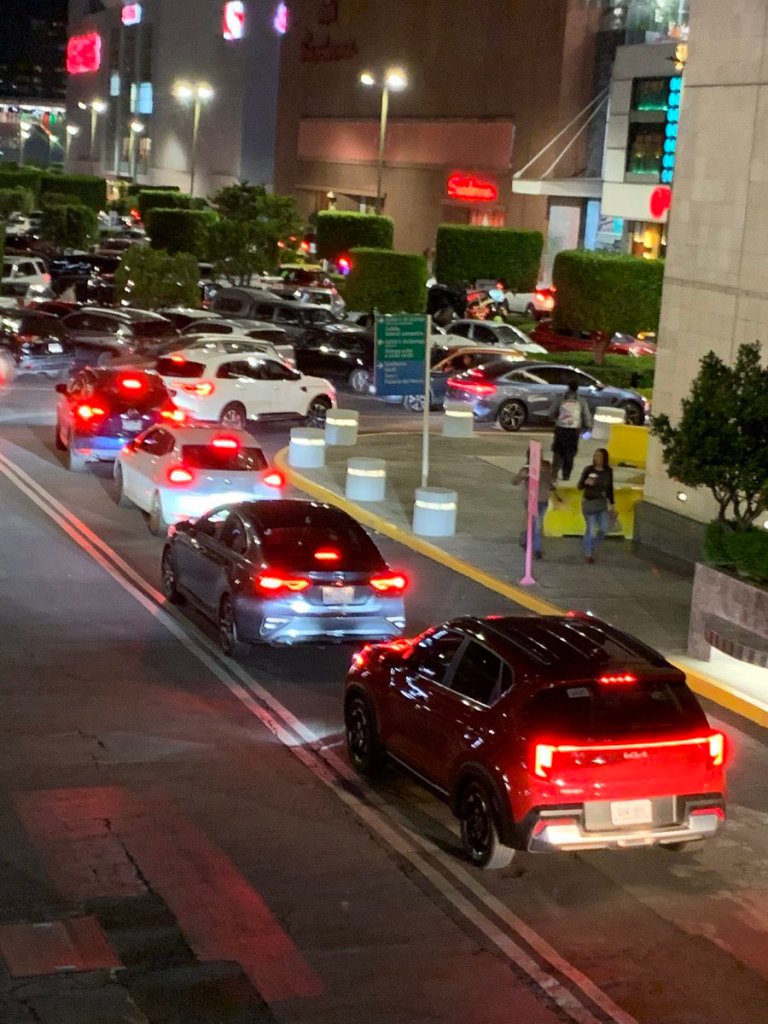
[{"x": 698, "y": 681}]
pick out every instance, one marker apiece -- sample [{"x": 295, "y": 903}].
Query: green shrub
[
  {"x": 606, "y": 292},
  {"x": 16, "y": 200},
  {"x": 464, "y": 254},
  {"x": 58, "y": 199},
  {"x": 166, "y": 199},
  {"x": 152, "y": 279},
  {"x": 742, "y": 551},
  {"x": 72, "y": 226},
  {"x": 338, "y": 233},
  {"x": 180, "y": 230},
  {"x": 390, "y": 282},
  {"x": 617, "y": 371},
  {"x": 22, "y": 177},
  {"x": 83, "y": 188},
  {"x": 715, "y": 544}
]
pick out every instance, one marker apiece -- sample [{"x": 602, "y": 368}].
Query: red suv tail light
[
  {"x": 90, "y": 413},
  {"x": 717, "y": 749},
  {"x": 200, "y": 389},
  {"x": 543, "y": 754},
  {"x": 170, "y": 413},
  {"x": 274, "y": 478},
  {"x": 270, "y": 585},
  {"x": 473, "y": 387},
  {"x": 180, "y": 475},
  {"x": 393, "y": 584}
]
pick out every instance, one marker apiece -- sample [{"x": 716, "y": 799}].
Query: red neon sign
[
  {"x": 472, "y": 189},
  {"x": 660, "y": 201},
  {"x": 132, "y": 14},
  {"x": 233, "y": 20},
  {"x": 84, "y": 53}
]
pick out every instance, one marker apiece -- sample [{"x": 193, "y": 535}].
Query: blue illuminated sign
[{"x": 671, "y": 129}]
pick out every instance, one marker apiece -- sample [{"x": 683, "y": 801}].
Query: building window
[
  {"x": 650, "y": 94},
  {"x": 493, "y": 218},
  {"x": 645, "y": 150}
]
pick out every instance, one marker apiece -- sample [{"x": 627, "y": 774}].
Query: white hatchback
[
  {"x": 25, "y": 276},
  {"x": 232, "y": 388},
  {"x": 178, "y": 473}
]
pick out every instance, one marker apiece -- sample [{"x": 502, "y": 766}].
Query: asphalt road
[{"x": 184, "y": 842}]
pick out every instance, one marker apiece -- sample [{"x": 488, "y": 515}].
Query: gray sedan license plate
[
  {"x": 55, "y": 347},
  {"x": 338, "y": 595},
  {"x": 134, "y": 425}
]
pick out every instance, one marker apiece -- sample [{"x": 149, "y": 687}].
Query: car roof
[
  {"x": 564, "y": 646},
  {"x": 200, "y": 355},
  {"x": 204, "y": 435},
  {"x": 289, "y": 511},
  {"x": 124, "y": 313},
  {"x": 206, "y": 314}
]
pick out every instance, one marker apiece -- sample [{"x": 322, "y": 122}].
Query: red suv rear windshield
[
  {"x": 205, "y": 456},
  {"x": 596, "y": 712},
  {"x": 167, "y": 367}
]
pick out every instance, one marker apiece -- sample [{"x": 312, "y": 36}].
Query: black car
[
  {"x": 102, "y": 334},
  {"x": 91, "y": 276},
  {"x": 298, "y": 318},
  {"x": 341, "y": 352},
  {"x": 37, "y": 342}
]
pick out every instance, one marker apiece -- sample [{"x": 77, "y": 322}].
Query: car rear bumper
[
  {"x": 99, "y": 449},
  {"x": 563, "y": 828},
  {"x": 281, "y": 622}
]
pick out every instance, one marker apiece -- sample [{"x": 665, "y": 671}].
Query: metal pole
[
  {"x": 382, "y": 145},
  {"x": 132, "y": 154},
  {"x": 425, "y": 421},
  {"x": 195, "y": 132},
  {"x": 21, "y": 141},
  {"x": 94, "y": 116}
]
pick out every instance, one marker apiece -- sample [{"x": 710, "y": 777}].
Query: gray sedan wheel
[
  {"x": 414, "y": 403},
  {"x": 512, "y": 415},
  {"x": 360, "y": 381}
]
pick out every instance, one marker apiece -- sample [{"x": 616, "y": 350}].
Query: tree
[
  {"x": 261, "y": 220},
  {"x": 152, "y": 278},
  {"x": 721, "y": 441},
  {"x": 390, "y": 282},
  {"x": 72, "y": 226},
  {"x": 180, "y": 230},
  {"x": 338, "y": 232},
  {"x": 16, "y": 200}
]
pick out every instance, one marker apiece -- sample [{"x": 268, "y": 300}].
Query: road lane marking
[{"x": 361, "y": 800}]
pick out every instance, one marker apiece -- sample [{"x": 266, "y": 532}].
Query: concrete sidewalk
[{"x": 644, "y": 599}]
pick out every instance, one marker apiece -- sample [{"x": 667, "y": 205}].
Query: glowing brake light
[
  {"x": 172, "y": 414},
  {"x": 717, "y": 749},
  {"x": 617, "y": 678},
  {"x": 326, "y": 555},
  {"x": 225, "y": 443},
  {"x": 180, "y": 360},
  {"x": 542, "y": 759},
  {"x": 471, "y": 386},
  {"x": 274, "y": 584},
  {"x": 131, "y": 383},
  {"x": 201, "y": 389},
  {"x": 89, "y": 412},
  {"x": 274, "y": 479},
  {"x": 394, "y": 584},
  {"x": 180, "y": 475},
  {"x": 359, "y": 658}
]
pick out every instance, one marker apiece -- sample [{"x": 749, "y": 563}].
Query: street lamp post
[
  {"x": 72, "y": 132},
  {"x": 395, "y": 80},
  {"x": 199, "y": 92},
  {"x": 136, "y": 128},
  {"x": 25, "y": 130},
  {"x": 97, "y": 107}
]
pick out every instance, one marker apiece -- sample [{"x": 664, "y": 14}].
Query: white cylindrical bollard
[
  {"x": 605, "y": 416},
  {"x": 434, "y": 512},
  {"x": 341, "y": 426},
  {"x": 307, "y": 448},
  {"x": 458, "y": 420},
  {"x": 366, "y": 479}
]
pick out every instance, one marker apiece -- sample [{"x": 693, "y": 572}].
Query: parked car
[
  {"x": 55, "y": 307},
  {"x": 101, "y": 334},
  {"x": 91, "y": 276},
  {"x": 239, "y": 301},
  {"x": 255, "y": 329},
  {"x": 542, "y": 733},
  {"x": 283, "y": 572},
  {"x": 563, "y": 339},
  {"x": 232, "y": 388},
  {"x": 25, "y": 276},
  {"x": 297, "y": 318},
  {"x": 455, "y": 361},
  {"x": 319, "y": 296},
  {"x": 174, "y": 473},
  {"x": 183, "y": 317},
  {"x": 342, "y": 352},
  {"x": 100, "y": 410},
  {"x": 518, "y": 394},
  {"x": 36, "y": 341},
  {"x": 537, "y": 304},
  {"x": 485, "y": 333}
]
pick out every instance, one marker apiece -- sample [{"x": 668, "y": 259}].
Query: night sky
[{"x": 16, "y": 37}]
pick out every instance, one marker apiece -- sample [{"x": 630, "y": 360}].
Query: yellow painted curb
[{"x": 698, "y": 681}]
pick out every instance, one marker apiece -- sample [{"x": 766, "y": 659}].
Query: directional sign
[{"x": 401, "y": 346}]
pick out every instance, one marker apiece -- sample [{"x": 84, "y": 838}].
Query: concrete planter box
[{"x": 729, "y": 614}]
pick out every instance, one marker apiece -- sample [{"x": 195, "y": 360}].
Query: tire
[
  {"x": 414, "y": 403},
  {"x": 480, "y": 829},
  {"x": 75, "y": 462},
  {"x": 229, "y": 642},
  {"x": 360, "y": 381},
  {"x": 680, "y": 847},
  {"x": 531, "y": 311},
  {"x": 157, "y": 525},
  {"x": 317, "y": 411},
  {"x": 512, "y": 415},
  {"x": 233, "y": 416},
  {"x": 633, "y": 414},
  {"x": 120, "y": 497},
  {"x": 60, "y": 446},
  {"x": 168, "y": 576},
  {"x": 364, "y": 749}
]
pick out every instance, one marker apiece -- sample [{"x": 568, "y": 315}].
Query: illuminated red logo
[
  {"x": 471, "y": 189},
  {"x": 280, "y": 20},
  {"x": 84, "y": 54},
  {"x": 233, "y": 20},
  {"x": 660, "y": 201},
  {"x": 131, "y": 14}
]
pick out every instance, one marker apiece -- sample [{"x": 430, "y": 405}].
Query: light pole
[
  {"x": 136, "y": 128},
  {"x": 72, "y": 132},
  {"x": 201, "y": 93},
  {"x": 395, "y": 80},
  {"x": 25, "y": 130},
  {"x": 97, "y": 108}
]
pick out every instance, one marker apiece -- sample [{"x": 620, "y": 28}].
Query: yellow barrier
[
  {"x": 566, "y": 519},
  {"x": 628, "y": 446}
]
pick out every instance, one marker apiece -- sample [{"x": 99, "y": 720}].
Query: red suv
[{"x": 542, "y": 733}]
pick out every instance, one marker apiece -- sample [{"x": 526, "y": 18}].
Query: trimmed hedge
[
  {"x": 83, "y": 188},
  {"x": 389, "y": 282},
  {"x": 71, "y": 226},
  {"x": 607, "y": 292},
  {"x": 338, "y": 233},
  {"x": 166, "y": 199},
  {"x": 742, "y": 551},
  {"x": 16, "y": 200},
  {"x": 617, "y": 371},
  {"x": 180, "y": 230},
  {"x": 464, "y": 254},
  {"x": 22, "y": 177},
  {"x": 153, "y": 279}
]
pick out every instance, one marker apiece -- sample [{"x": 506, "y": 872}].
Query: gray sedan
[{"x": 518, "y": 394}]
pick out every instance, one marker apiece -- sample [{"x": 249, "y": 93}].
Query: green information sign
[{"x": 401, "y": 346}]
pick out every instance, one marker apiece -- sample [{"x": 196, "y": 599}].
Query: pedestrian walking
[
  {"x": 572, "y": 416},
  {"x": 546, "y": 490},
  {"x": 596, "y": 484}
]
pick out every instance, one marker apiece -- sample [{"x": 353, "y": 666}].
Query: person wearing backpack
[
  {"x": 597, "y": 504},
  {"x": 572, "y": 416}
]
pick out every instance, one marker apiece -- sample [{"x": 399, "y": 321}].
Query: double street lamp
[
  {"x": 72, "y": 131},
  {"x": 97, "y": 108},
  {"x": 199, "y": 93},
  {"x": 394, "y": 80},
  {"x": 136, "y": 128}
]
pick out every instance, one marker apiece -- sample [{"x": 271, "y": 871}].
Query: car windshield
[
  {"x": 510, "y": 335},
  {"x": 595, "y": 712},
  {"x": 291, "y": 543},
  {"x": 179, "y": 367},
  {"x": 239, "y": 460}
]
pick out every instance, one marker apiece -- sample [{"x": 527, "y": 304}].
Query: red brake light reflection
[
  {"x": 177, "y": 359},
  {"x": 717, "y": 749},
  {"x": 202, "y": 389},
  {"x": 619, "y": 677},
  {"x": 394, "y": 584},
  {"x": 180, "y": 475},
  {"x": 473, "y": 388},
  {"x": 173, "y": 414},
  {"x": 326, "y": 555}
]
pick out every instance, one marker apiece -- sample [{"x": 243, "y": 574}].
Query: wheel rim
[
  {"x": 360, "y": 381},
  {"x": 415, "y": 403},
  {"x": 477, "y": 827},
  {"x": 358, "y": 733},
  {"x": 227, "y": 627},
  {"x": 512, "y": 417},
  {"x": 632, "y": 414},
  {"x": 169, "y": 577},
  {"x": 317, "y": 413},
  {"x": 232, "y": 418}
]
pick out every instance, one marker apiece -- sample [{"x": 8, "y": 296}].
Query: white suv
[
  {"x": 25, "y": 276},
  {"x": 231, "y": 388}
]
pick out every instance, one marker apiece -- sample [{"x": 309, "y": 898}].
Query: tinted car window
[
  {"x": 168, "y": 367},
  {"x": 292, "y": 542},
  {"x": 233, "y": 535},
  {"x": 618, "y": 711},
  {"x": 205, "y": 456},
  {"x": 225, "y": 305},
  {"x": 251, "y": 370},
  {"x": 555, "y": 374},
  {"x": 153, "y": 329},
  {"x": 478, "y": 674},
  {"x": 151, "y": 392},
  {"x": 276, "y": 371},
  {"x": 499, "y": 367},
  {"x": 287, "y": 315},
  {"x": 433, "y": 656}
]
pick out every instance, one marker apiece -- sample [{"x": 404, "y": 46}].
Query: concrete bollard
[
  {"x": 307, "y": 448},
  {"x": 458, "y": 420},
  {"x": 366, "y": 479},
  {"x": 341, "y": 426},
  {"x": 605, "y": 416},
  {"x": 434, "y": 512}
]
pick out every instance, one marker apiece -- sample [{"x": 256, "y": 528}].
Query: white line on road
[{"x": 364, "y": 802}]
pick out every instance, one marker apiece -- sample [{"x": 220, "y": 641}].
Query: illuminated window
[
  {"x": 646, "y": 149},
  {"x": 131, "y": 14},
  {"x": 650, "y": 94},
  {"x": 145, "y": 102},
  {"x": 280, "y": 20},
  {"x": 114, "y": 83}
]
